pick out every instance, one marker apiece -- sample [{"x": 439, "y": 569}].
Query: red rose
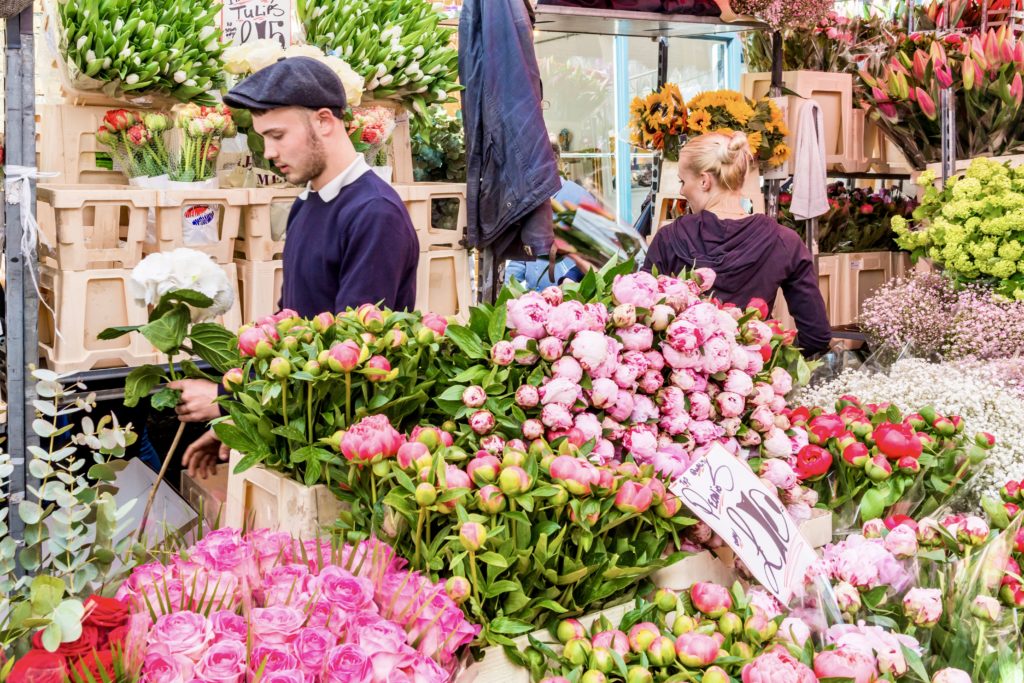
[
  {"x": 812, "y": 462},
  {"x": 38, "y": 666},
  {"x": 117, "y": 636},
  {"x": 92, "y": 664},
  {"x": 105, "y": 613},
  {"x": 85, "y": 644}
]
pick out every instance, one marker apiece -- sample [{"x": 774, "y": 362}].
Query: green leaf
[
  {"x": 165, "y": 398},
  {"x": 139, "y": 382},
  {"x": 172, "y": 299},
  {"x": 496, "y": 327},
  {"x": 215, "y": 345},
  {"x": 467, "y": 341},
  {"x": 30, "y": 512},
  {"x": 493, "y": 559},
  {"x": 291, "y": 433},
  {"x": 115, "y": 332},
  {"x": 46, "y": 592},
  {"x": 68, "y": 616},
  {"x": 552, "y": 606},
  {"x": 233, "y": 437},
  {"x": 168, "y": 332},
  {"x": 503, "y": 586},
  {"x": 102, "y": 472},
  {"x": 914, "y": 661},
  {"x": 510, "y": 627}
]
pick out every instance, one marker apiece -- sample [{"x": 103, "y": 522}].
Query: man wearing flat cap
[{"x": 350, "y": 240}]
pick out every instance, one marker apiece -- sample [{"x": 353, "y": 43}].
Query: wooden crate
[
  {"x": 264, "y": 221},
  {"x": 832, "y": 91},
  {"x": 860, "y": 275},
  {"x": 259, "y": 288},
  {"x": 829, "y": 283},
  {"x": 857, "y": 160},
  {"x": 83, "y": 304},
  {"x": 262, "y": 498},
  {"x": 67, "y": 143},
  {"x": 93, "y": 226},
  {"x": 223, "y": 206},
  {"x": 442, "y": 283},
  {"x": 702, "y": 566},
  {"x": 419, "y": 200}
]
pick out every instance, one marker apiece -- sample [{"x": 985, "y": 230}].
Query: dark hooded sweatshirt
[{"x": 752, "y": 257}]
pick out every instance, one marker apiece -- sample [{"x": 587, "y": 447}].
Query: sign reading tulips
[
  {"x": 729, "y": 498},
  {"x": 245, "y": 21}
]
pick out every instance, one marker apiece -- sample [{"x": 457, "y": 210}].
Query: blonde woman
[{"x": 752, "y": 255}]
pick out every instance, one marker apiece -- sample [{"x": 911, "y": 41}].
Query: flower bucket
[
  {"x": 259, "y": 497},
  {"x": 158, "y": 182}
]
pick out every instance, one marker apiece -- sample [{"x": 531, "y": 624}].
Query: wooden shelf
[{"x": 629, "y": 23}]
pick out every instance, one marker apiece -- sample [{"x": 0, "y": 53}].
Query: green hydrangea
[{"x": 974, "y": 227}]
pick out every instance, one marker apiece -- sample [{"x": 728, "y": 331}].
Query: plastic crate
[
  {"x": 420, "y": 200},
  {"x": 264, "y": 222},
  {"x": 832, "y": 91},
  {"x": 860, "y": 275},
  {"x": 85, "y": 303},
  {"x": 259, "y": 287},
  {"x": 67, "y": 143},
  {"x": 442, "y": 283},
  {"x": 857, "y": 160},
  {"x": 93, "y": 226},
  {"x": 224, "y": 207}
]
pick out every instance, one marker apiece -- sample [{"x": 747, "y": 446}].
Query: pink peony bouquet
[
  {"x": 261, "y": 606},
  {"x": 375, "y": 126}
]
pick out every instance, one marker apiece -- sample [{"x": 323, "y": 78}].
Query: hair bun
[{"x": 738, "y": 142}]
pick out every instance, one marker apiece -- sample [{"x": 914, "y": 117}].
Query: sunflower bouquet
[
  {"x": 657, "y": 121},
  {"x": 726, "y": 111}
]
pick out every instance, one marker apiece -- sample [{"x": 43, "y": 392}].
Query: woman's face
[{"x": 694, "y": 187}]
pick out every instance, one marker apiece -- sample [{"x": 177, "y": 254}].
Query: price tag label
[
  {"x": 729, "y": 497},
  {"x": 245, "y": 21},
  {"x": 856, "y": 264}
]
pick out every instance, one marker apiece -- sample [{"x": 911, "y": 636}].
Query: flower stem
[
  {"x": 309, "y": 412},
  {"x": 419, "y": 537},
  {"x": 472, "y": 571},
  {"x": 348, "y": 400},
  {"x": 159, "y": 478}
]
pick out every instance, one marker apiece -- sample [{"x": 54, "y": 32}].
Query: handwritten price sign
[
  {"x": 245, "y": 21},
  {"x": 729, "y": 498}
]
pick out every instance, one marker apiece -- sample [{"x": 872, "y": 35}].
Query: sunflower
[
  {"x": 740, "y": 111},
  {"x": 699, "y": 121},
  {"x": 755, "y": 143},
  {"x": 779, "y": 154}
]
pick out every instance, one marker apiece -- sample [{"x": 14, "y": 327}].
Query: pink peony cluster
[
  {"x": 660, "y": 375},
  {"x": 298, "y": 612},
  {"x": 865, "y": 564},
  {"x": 863, "y": 643}
]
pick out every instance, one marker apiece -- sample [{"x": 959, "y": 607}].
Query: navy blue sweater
[{"x": 358, "y": 248}]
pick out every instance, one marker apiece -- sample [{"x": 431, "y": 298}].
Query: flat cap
[{"x": 290, "y": 82}]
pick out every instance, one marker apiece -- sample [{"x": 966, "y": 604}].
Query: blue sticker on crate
[{"x": 200, "y": 215}]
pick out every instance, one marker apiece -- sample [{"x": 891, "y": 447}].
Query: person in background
[
  {"x": 535, "y": 275},
  {"x": 350, "y": 239},
  {"x": 752, "y": 255}
]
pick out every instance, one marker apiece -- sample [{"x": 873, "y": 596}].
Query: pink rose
[
  {"x": 353, "y": 594},
  {"x": 566, "y": 319},
  {"x": 384, "y": 643},
  {"x": 183, "y": 633},
  {"x": 347, "y": 664},
  {"x": 277, "y": 624},
  {"x": 775, "y": 666},
  {"x": 639, "y": 289},
  {"x": 224, "y": 662},
  {"x": 845, "y": 664},
  {"x": 272, "y": 657},
  {"x": 224, "y": 550},
  {"x": 272, "y": 547},
  {"x": 560, "y": 391},
  {"x": 729, "y": 404},
  {"x": 568, "y": 368},
  {"x": 286, "y": 676},
  {"x": 161, "y": 667},
  {"x": 550, "y": 348},
  {"x": 229, "y": 625},
  {"x": 527, "y": 315},
  {"x": 603, "y": 393},
  {"x": 636, "y": 337},
  {"x": 327, "y": 615}
]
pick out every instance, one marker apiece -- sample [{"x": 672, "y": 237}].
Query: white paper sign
[
  {"x": 244, "y": 21},
  {"x": 730, "y": 498}
]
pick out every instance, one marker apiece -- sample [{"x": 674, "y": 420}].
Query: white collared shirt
[{"x": 351, "y": 174}]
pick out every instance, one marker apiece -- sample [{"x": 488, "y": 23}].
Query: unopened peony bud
[
  {"x": 662, "y": 651},
  {"x": 683, "y": 624},
  {"x": 474, "y": 396},
  {"x": 527, "y": 396},
  {"x": 666, "y": 599},
  {"x": 569, "y": 629},
  {"x": 660, "y": 317},
  {"x": 601, "y": 659},
  {"x": 624, "y": 315},
  {"x": 759, "y": 629},
  {"x": 986, "y": 608},
  {"x": 593, "y": 676},
  {"x": 710, "y": 599},
  {"x": 642, "y": 635},
  {"x": 482, "y": 422},
  {"x": 503, "y": 353},
  {"x": 856, "y": 455},
  {"x": 491, "y": 500},
  {"x": 280, "y": 368},
  {"x": 344, "y": 357},
  {"x": 514, "y": 480},
  {"x": 715, "y": 674},
  {"x": 696, "y": 650},
  {"x": 550, "y": 348},
  {"x": 878, "y": 468},
  {"x": 472, "y": 535},
  {"x": 639, "y": 674},
  {"x": 577, "y": 651},
  {"x": 458, "y": 589},
  {"x": 730, "y": 624},
  {"x": 233, "y": 380},
  {"x": 984, "y": 440}
]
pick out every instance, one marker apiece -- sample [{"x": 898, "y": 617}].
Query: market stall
[{"x": 627, "y": 477}]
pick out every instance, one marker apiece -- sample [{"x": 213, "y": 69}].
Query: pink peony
[
  {"x": 844, "y": 663},
  {"x": 503, "y": 353},
  {"x": 923, "y": 606},
  {"x": 782, "y": 381},
  {"x": 588, "y": 425},
  {"x": 565, "y": 320},
  {"x": 482, "y": 422},
  {"x": 779, "y": 473},
  {"x": 603, "y": 393},
  {"x": 560, "y": 391},
  {"x": 683, "y": 336},
  {"x": 902, "y": 541},
  {"x": 636, "y": 337},
  {"x": 951, "y": 675},
  {"x": 696, "y": 649},
  {"x": 644, "y": 409},
  {"x": 556, "y": 417},
  {"x": 776, "y": 444},
  {"x": 527, "y": 315},
  {"x": 372, "y": 438},
  {"x": 705, "y": 279},
  {"x": 553, "y": 295},
  {"x": 739, "y": 382},
  {"x": 568, "y": 368},
  {"x": 639, "y": 289},
  {"x": 794, "y": 630},
  {"x": 590, "y": 349},
  {"x": 776, "y": 666},
  {"x": 523, "y": 354},
  {"x": 437, "y": 323},
  {"x": 651, "y": 381},
  {"x": 710, "y": 599},
  {"x": 640, "y": 443},
  {"x": 596, "y": 317},
  {"x": 527, "y": 396},
  {"x": 550, "y": 348},
  {"x": 700, "y": 406},
  {"x": 729, "y": 404}
]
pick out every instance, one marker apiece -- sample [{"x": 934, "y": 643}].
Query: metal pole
[
  {"x": 662, "y": 78},
  {"x": 774, "y": 186},
  {"x": 22, "y": 300}
]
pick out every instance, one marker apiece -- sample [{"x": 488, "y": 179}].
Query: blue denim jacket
[{"x": 511, "y": 171}]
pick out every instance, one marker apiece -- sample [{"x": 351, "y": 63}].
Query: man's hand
[
  {"x": 197, "y": 400},
  {"x": 202, "y": 456}
]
